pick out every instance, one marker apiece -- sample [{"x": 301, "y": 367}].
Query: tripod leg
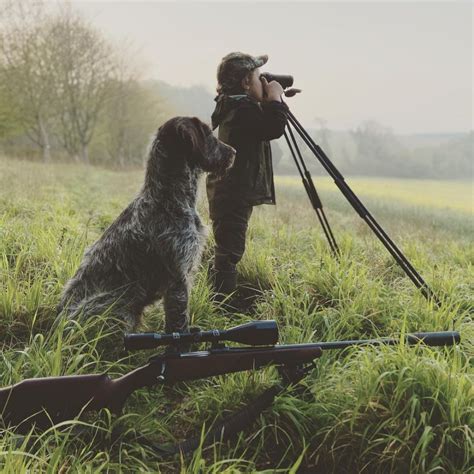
[
  {"x": 396, "y": 253},
  {"x": 314, "y": 197},
  {"x": 312, "y": 194}
]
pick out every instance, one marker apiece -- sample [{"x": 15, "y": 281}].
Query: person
[{"x": 249, "y": 113}]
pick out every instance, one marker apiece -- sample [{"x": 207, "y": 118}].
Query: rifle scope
[
  {"x": 255, "y": 333},
  {"x": 284, "y": 80}
]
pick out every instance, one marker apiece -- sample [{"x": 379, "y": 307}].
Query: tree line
[
  {"x": 374, "y": 150},
  {"x": 67, "y": 92}
]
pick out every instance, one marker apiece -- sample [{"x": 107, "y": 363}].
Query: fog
[{"x": 407, "y": 65}]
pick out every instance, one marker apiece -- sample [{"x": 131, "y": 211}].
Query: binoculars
[{"x": 284, "y": 80}]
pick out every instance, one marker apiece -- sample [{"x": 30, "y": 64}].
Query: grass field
[
  {"x": 445, "y": 195},
  {"x": 372, "y": 410}
]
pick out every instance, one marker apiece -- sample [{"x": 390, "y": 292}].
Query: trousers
[{"x": 230, "y": 229}]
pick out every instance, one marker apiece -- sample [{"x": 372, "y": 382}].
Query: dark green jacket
[{"x": 247, "y": 126}]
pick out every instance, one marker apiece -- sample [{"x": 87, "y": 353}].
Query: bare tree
[
  {"x": 63, "y": 83},
  {"x": 83, "y": 65},
  {"x": 379, "y": 152},
  {"x": 131, "y": 114},
  {"x": 24, "y": 71},
  {"x": 323, "y": 134}
]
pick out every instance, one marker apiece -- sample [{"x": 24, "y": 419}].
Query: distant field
[{"x": 455, "y": 195}]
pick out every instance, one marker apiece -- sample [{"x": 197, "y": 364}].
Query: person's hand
[{"x": 271, "y": 90}]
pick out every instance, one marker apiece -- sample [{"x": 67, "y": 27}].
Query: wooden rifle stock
[{"x": 49, "y": 400}]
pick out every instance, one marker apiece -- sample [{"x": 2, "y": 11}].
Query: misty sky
[{"x": 407, "y": 65}]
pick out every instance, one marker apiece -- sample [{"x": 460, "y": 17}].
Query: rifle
[{"x": 45, "y": 401}]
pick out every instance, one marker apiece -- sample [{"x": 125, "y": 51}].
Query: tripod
[{"x": 313, "y": 196}]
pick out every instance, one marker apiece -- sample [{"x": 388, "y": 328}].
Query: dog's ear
[
  {"x": 193, "y": 135},
  {"x": 184, "y": 135},
  {"x": 168, "y": 134}
]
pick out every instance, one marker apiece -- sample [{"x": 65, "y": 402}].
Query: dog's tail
[{"x": 103, "y": 304}]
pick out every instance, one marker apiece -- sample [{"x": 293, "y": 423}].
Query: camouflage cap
[{"x": 234, "y": 67}]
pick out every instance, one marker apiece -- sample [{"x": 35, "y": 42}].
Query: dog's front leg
[{"x": 175, "y": 301}]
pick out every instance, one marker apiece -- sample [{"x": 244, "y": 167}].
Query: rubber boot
[{"x": 225, "y": 285}]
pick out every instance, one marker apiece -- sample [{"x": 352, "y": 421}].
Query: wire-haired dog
[{"x": 153, "y": 247}]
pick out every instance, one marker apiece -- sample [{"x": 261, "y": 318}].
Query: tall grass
[{"x": 380, "y": 409}]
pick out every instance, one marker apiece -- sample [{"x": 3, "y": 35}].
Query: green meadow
[
  {"x": 372, "y": 409},
  {"x": 434, "y": 194}
]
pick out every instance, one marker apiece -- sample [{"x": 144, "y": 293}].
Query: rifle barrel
[{"x": 445, "y": 338}]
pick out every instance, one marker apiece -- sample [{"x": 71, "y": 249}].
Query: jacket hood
[{"x": 224, "y": 104}]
